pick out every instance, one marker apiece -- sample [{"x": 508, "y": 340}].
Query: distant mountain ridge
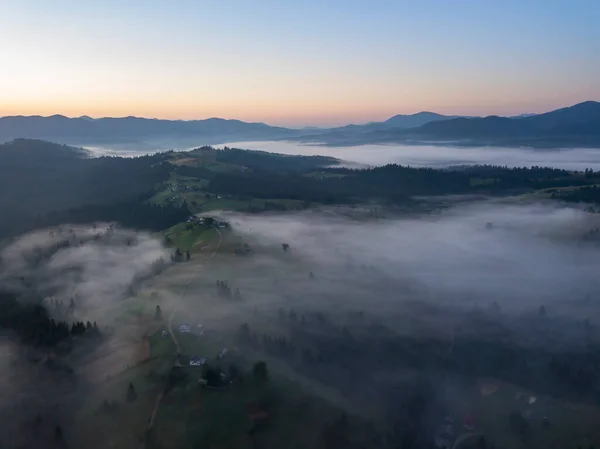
[
  {"x": 577, "y": 125},
  {"x": 415, "y": 120},
  {"x": 565, "y": 121},
  {"x": 108, "y": 130}
]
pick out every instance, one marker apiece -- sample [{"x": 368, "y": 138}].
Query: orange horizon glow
[
  {"x": 295, "y": 64},
  {"x": 274, "y": 115}
]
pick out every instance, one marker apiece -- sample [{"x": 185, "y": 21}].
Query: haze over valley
[{"x": 309, "y": 225}]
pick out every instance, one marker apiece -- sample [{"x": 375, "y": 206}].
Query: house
[
  {"x": 184, "y": 328},
  {"x": 222, "y": 353},
  {"x": 164, "y": 333},
  {"x": 197, "y": 361}
]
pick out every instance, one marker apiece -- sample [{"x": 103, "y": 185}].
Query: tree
[
  {"x": 212, "y": 377},
  {"x": 58, "y": 433},
  {"x": 542, "y": 311},
  {"x": 481, "y": 443},
  {"x": 285, "y": 247},
  {"x": 260, "y": 372},
  {"x": 237, "y": 294},
  {"x": 234, "y": 372},
  {"x": 131, "y": 393},
  {"x": 187, "y": 255},
  {"x": 158, "y": 314}
]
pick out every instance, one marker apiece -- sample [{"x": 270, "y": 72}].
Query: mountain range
[
  {"x": 135, "y": 131},
  {"x": 574, "y": 126},
  {"x": 577, "y": 125}
]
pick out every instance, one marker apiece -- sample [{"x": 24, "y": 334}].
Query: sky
[{"x": 296, "y": 63}]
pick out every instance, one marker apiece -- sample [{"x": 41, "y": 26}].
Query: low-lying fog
[
  {"x": 413, "y": 155},
  {"x": 411, "y": 274},
  {"x": 436, "y": 155},
  {"x": 521, "y": 256},
  {"x": 97, "y": 264}
]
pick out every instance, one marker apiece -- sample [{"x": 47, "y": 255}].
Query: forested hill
[
  {"x": 394, "y": 183},
  {"x": 44, "y": 184},
  {"x": 37, "y": 178}
]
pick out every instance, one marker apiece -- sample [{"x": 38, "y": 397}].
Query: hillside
[{"x": 37, "y": 178}]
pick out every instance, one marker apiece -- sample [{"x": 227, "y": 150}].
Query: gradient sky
[{"x": 288, "y": 62}]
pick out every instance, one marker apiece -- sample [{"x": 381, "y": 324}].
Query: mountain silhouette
[
  {"x": 84, "y": 130},
  {"x": 415, "y": 120}
]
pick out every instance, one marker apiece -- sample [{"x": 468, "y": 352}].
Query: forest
[
  {"x": 395, "y": 183},
  {"x": 49, "y": 184}
]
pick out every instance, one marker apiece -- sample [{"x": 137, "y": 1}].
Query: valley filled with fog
[
  {"x": 222, "y": 296},
  {"x": 300, "y": 225},
  {"x": 435, "y": 156}
]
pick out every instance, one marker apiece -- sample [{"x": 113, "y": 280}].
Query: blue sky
[{"x": 297, "y": 63}]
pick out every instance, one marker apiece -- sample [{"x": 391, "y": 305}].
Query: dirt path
[{"x": 170, "y": 327}]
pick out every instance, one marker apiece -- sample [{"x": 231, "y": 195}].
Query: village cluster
[{"x": 185, "y": 328}]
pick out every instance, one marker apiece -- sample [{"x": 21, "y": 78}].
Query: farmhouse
[
  {"x": 197, "y": 361},
  {"x": 184, "y": 328}
]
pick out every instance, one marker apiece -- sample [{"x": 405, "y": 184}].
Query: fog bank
[
  {"x": 437, "y": 156},
  {"x": 96, "y": 264},
  {"x": 518, "y": 255}
]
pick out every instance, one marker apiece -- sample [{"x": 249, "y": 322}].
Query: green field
[
  {"x": 188, "y": 236},
  {"x": 194, "y": 416}
]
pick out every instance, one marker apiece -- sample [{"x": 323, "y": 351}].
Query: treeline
[
  {"x": 265, "y": 184},
  {"x": 394, "y": 183},
  {"x": 195, "y": 171},
  {"x": 262, "y": 160},
  {"x": 40, "y": 178},
  {"x": 328, "y": 352},
  {"x": 32, "y": 324},
  {"x": 135, "y": 213},
  {"x": 586, "y": 194}
]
